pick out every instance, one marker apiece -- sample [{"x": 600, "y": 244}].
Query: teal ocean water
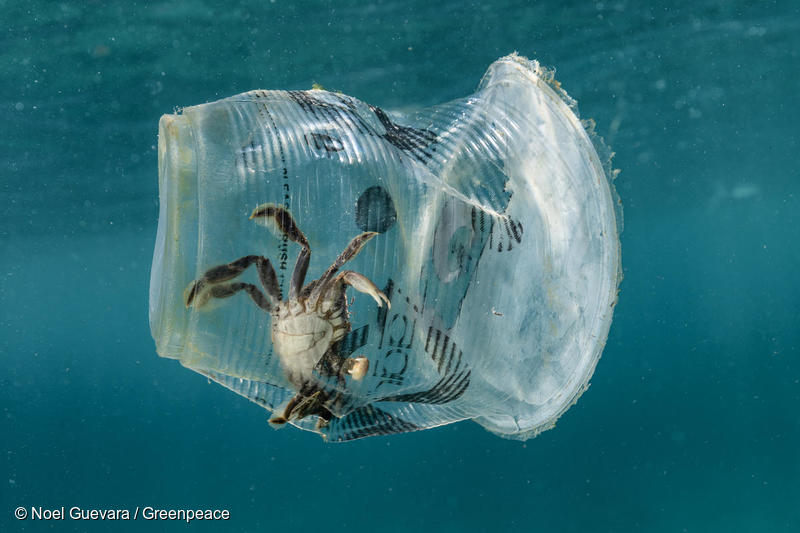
[{"x": 692, "y": 422}]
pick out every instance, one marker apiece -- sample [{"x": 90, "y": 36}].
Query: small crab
[{"x": 309, "y": 326}]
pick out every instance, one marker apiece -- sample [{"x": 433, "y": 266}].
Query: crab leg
[
  {"x": 299, "y": 272},
  {"x": 304, "y": 404},
  {"x": 229, "y": 289},
  {"x": 284, "y": 416},
  {"x": 195, "y": 295},
  {"x": 349, "y": 253},
  {"x": 278, "y": 218}
]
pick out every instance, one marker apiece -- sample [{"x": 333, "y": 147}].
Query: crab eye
[{"x": 459, "y": 262}]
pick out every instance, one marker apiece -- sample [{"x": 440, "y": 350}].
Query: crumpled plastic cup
[{"x": 497, "y": 245}]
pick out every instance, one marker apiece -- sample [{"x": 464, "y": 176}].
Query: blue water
[{"x": 692, "y": 421}]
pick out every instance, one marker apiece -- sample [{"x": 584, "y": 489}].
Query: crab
[{"x": 308, "y": 327}]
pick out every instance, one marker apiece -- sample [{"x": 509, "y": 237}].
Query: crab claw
[
  {"x": 363, "y": 284},
  {"x": 357, "y": 367}
]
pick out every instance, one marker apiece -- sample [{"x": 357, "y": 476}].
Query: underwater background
[{"x": 692, "y": 422}]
